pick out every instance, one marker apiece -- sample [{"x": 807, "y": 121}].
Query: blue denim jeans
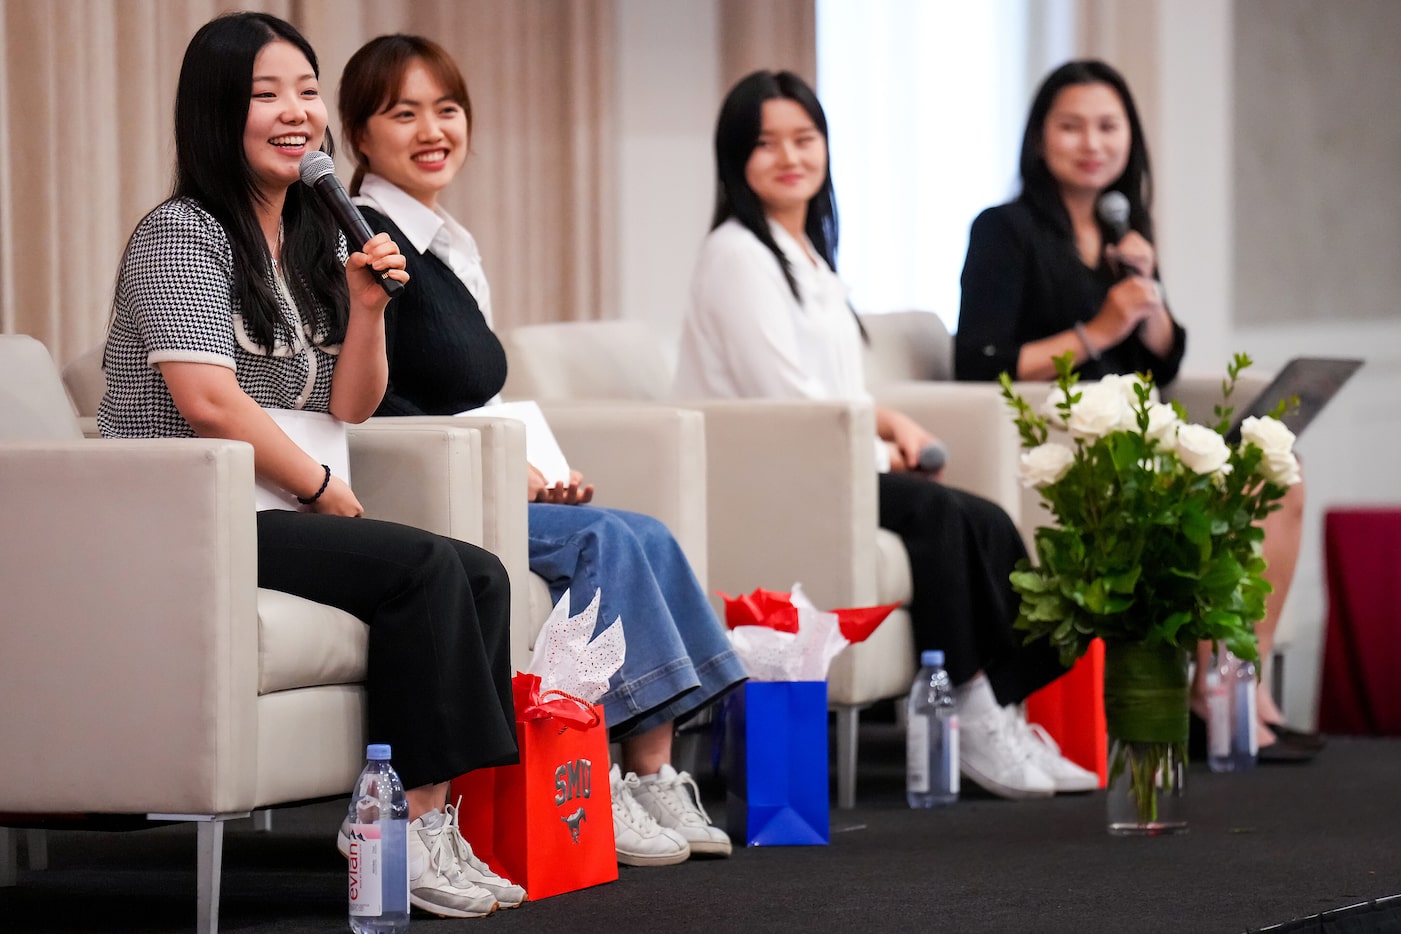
[{"x": 678, "y": 655}]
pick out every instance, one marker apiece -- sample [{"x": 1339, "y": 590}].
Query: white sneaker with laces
[
  {"x": 437, "y": 882},
  {"x": 673, "y": 800},
  {"x": 992, "y": 754},
  {"x": 640, "y": 841},
  {"x": 1045, "y": 753},
  {"x": 507, "y": 893}
]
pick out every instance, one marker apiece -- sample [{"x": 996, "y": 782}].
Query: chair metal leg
[
  {"x": 262, "y": 820},
  {"x": 848, "y": 721},
  {"x": 209, "y": 863},
  {"x": 37, "y": 842},
  {"x": 209, "y": 866},
  {"x": 9, "y": 857},
  {"x": 1277, "y": 679}
]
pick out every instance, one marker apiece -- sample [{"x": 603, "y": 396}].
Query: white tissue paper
[
  {"x": 567, "y": 661},
  {"x": 805, "y": 655}
]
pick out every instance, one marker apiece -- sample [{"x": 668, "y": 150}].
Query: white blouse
[{"x": 747, "y": 336}]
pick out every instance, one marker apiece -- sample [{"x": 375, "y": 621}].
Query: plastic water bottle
[
  {"x": 379, "y": 842},
  {"x": 1232, "y": 731},
  {"x": 931, "y": 736}
]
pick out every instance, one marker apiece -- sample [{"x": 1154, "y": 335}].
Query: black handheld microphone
[
  {"x": 319, "y": 174},
  {"x": 1113, "y": 211},
  {"x": 933, "y": 457}
]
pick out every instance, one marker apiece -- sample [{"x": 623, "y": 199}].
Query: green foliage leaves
[{"x": 1144, "y": 549}]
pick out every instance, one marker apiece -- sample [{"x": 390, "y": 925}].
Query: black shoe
[
  {"x": 1300, "y": 738},
  {"x": 1283, "y": 752},
  {"x": 1196, "y": 738}
]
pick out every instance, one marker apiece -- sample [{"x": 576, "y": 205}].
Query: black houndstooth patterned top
[{"x": 175, "y": 301}]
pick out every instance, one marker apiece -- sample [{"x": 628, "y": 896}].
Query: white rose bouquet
[{"x": 1157, "y": 538}]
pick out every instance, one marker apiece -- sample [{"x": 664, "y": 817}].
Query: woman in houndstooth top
[{"x": 236, "y": 295}]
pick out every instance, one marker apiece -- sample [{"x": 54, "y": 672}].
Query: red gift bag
[
  {"x": 546, "y": 824},
  {"x": 1071, "y": 708}
]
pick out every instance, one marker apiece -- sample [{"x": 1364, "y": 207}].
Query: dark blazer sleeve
[
  {"x": 393, "y": 402},
  {"x": 994, "y": 284}
]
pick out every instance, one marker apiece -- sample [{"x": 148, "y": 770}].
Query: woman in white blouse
[{"x": 770, "y": 319}]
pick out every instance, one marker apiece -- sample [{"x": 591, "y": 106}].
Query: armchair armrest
[
  {"x": 644, "y": 458},
  {"x": 791, "y": 491},
  {"x": 129, "y": 572},
  {"x": 976, "y": 425},
  {"x": 425, "y": 475},
  {"x": 500, "y": 500}
]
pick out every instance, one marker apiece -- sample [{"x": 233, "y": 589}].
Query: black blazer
[{"x": 1022, "y": 281}]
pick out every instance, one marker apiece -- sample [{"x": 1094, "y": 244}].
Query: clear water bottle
[
  {"x": 379, "y": 842},
  {"x": 1232, "y": 730},
  {"x": 931, "y": 737}
]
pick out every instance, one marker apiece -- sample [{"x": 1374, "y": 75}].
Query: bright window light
[{"x": 925, "y": 101}]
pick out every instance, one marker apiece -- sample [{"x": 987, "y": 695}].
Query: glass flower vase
[{"x": 1145, "y": 708}]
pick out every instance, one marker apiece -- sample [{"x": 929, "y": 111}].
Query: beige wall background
[
  {"x": 86, "y": 97},
  {"x": 1318, "y": 160}
]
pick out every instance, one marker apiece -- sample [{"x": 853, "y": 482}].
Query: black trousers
[
  {"x": 439, "y": 679},
  {"x": 962, "y": 549}
]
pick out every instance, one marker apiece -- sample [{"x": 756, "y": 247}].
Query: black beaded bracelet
[{"x": 308, "y": 500}]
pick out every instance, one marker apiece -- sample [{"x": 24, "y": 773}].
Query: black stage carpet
[{"x": 1279, "y": 846}]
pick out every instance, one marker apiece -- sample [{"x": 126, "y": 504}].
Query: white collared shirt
[
  {"x": 747, "y": 336},
  {"x": 430, "y": 230}
]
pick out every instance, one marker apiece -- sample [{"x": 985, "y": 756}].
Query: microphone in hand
[
  {"x": 1113, "y": 211},
  {"x": 932, "y": 457},
  {"x": 319, "y": 173}
]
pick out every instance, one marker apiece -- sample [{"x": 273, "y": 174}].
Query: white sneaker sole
[
  {"x": 1075, "y": 786},
  {"x": 444, "y": 911},
  {"x": 709, "y": 848},
  {"x": 1002, "y": 791},
  {"x": 648, "y": 859}
]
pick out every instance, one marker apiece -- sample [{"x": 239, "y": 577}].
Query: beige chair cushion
[
  {"x": 33, "y": 406},
  {"x": 894, "y": 581},
  {"x": 303, "y": 644},
  {"x": 907, "y": 345},
  {"x": 586, "y": 360}
]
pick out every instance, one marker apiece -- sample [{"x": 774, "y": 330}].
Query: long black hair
[
  {"x": 737, "y": 133},
  {"x": 1040, "y": 190},
  {"x": 212, "y": 168}
]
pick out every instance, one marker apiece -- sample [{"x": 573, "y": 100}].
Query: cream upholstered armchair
[
  {"x": 791, "y": 490},
  {"x": 143, "y": 672},
  {"x": 666, "y": 484},
  {"x": 647, "y": 459}
]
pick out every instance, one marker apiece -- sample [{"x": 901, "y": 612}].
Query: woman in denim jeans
[{"x": 407, "y": 116}]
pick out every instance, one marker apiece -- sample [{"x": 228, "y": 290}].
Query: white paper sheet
[
  {"x": 541, "y": 448},
  {"x": 320, "y": 435}
]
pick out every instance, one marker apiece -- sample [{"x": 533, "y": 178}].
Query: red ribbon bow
[
  {"x": 572, "y": 712},
  {"x": 775, "y": 610}
]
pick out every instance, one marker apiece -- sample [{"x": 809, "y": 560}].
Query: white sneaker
[
  {"x": 640, "y": 841},
  {"x": 437, "y": 882},
  {"x": 673, "y": 800},
  {"x": 991, "y": 753},
  {"x": 1045, "y": 753},
  {"x": 506, "y": 892}
]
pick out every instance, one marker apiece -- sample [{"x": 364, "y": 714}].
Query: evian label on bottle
[{"x": 366, "y": 871}]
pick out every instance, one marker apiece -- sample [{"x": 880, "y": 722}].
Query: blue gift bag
[{"x": 775, "y": 759}]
